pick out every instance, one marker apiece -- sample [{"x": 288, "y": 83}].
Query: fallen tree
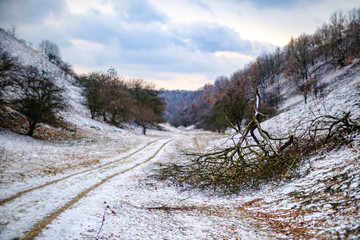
[{"x": 256, "y": 156}]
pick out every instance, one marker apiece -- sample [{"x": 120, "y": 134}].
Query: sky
[{"x": 175, "y": 44}]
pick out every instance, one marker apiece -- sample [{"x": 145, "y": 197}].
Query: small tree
[
  {"x": 39, "y": 97},
  {"x": 144, "y": 116},
  {"x": 12, "y": 30},
  {"x": 148, "y": 107},
  {"x": 236, "y": 100},
  {"x": 51, "y": 51},
  {"x": 93, "y": 84},
  {"x": 299, "y": 59}
]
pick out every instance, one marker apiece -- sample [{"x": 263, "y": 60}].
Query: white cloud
[
  {"x": 229, "y": 54},
  {"x": 86, "y": 54},
  {"x": 271, "y": 23},
  {"x": 83, "y": 6},
  {"x": 85, "y": 46},
  {"x": 174, "y": 81}
]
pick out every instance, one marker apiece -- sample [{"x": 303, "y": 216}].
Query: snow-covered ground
[
  {"x": 116, "y": 199},
  {"x": 71, "y": 204},
  {"x": 97, "y": 184}
]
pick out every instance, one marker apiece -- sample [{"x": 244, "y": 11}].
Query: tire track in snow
[
  {"x": 38, "y": 227},
  {"x": 19, "y": 194},
  {"x": 43, "y": 205}
]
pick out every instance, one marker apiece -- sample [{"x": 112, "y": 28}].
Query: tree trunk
[
  {"x": 104, "y": 116},
  {"x": 144, "y": 129},
  {"x": 32, "y": 127}
]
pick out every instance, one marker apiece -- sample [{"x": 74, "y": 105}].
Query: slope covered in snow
[{"x": 76, "y": 111}]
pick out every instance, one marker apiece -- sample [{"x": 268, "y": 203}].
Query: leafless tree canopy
[
  {"x": 119, "y": 101},
  {"x": 38, "y": 97},
  {"x": 50, "y": 50}
]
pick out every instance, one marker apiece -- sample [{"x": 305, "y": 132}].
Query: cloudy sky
[{"x": 177, "y": 44}]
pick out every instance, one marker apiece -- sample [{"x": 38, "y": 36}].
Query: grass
[{"x": 323, "y": 206}]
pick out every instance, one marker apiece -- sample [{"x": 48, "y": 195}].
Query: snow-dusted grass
[
  {"x": 322, "y": 205},
  {"x": 150, "y": 210},
  {"x": 24, "y": 158}
]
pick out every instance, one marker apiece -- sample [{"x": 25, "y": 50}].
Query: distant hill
[{"x": 178, "y": 106}]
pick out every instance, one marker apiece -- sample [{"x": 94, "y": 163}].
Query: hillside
[
  {"x": 75, "y": 111},
  {"x": 86, "y": 179}
]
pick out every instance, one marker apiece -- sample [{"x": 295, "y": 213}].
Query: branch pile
[{"x": 256, "y": 156}]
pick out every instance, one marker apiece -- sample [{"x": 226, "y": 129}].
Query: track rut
[
  {"x": 44, "y": 203},
  {"x": 19, "y": 194}
]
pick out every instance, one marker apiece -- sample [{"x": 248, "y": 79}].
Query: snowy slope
[
  {"x": 27, "y": 56},
  {"x": 325, "y": 202}
]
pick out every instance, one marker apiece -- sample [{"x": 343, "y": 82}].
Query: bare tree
[
  {"x": 215, "y": 120},
  {"x": 117, "y": 101},
  {"x": 144, "y": 116},
  {"x": 107, "y": 96},
  {"x": 93, "y": 84},
  {"x": 67, "y": 68},
  {"x": 148, "y": 107},
  {"x": 353, "y": 33},
  {"x": 299, "y": 60},
  {"x": 12, "y": 30},
  {"x": 235, "y": 102},
  {"x": 338, "y": 43},
  {"x": 39, "y": 97},
  {"x": 51, "y": 51}
]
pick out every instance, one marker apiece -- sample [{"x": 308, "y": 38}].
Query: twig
[{"x": 103, "y": 219}]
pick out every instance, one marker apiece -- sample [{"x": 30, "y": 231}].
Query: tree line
[
  {"x": 118, "y": 101},
  {"x": 228, "y": 102}
]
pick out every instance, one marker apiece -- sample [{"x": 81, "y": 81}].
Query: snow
[
  {"x": 65, "y": 187},
  {"x": 132, "y": 199},
  {"x": 130, "y": 194}
]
